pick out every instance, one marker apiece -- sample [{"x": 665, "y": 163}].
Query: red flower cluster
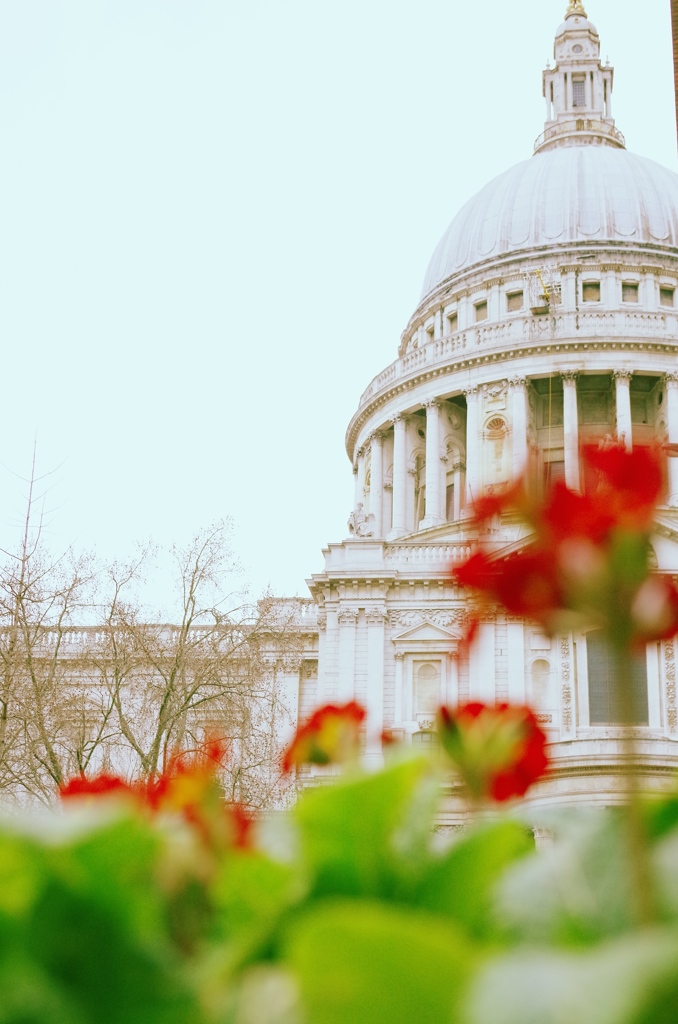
[
  {"x": 330, "y": 736},
  {"x": 587, "y": 562},
  {"x": 189, "y": 786},
  {"x": 499, "y": 751}
]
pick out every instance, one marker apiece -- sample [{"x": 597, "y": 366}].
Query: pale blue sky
[{"x": 215, "y": 218}]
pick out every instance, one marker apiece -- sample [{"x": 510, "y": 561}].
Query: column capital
[
  {"x": 399, "y": 655},
  {"x": 569, "y": 376},
  {"x": 412, "y": 470},
  {"x": 471, "y": 392},
  {"x": 399, "y": 418},
  {"x": 375, "y": 616},
  {"x": 622, "y": 376},
  {"x": 359, "y": 452},
  {"x": 517, "y": 382},
  {"x": 432, "y": 403},
  {"x": 670, "y": 380},
  {"x": 347, "y": 617},
  {"x": 376, "y": 435}
]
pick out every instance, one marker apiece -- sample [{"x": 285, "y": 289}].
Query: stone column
[
  {"x": 452, "y": 695},
  {"x": 671, "y": 387},
  {"x": 377, "y": 482},
  {"x": 622, "y": 380},
  {"x": 457, "y": 478},
  {"x": 359, "y": 470},
  {"x": 611, "y": 297},
  {"x": 433, "y": 515},
  {"x": 399, "y": 711},
  {"x": 348, "y": 619},
  {"x": 473, "y": 467},
  {"x": 375, "y": 683},
  {"x": 571, "y": 430},
  {"x": 322, "y": 658},
  {"x": 651, "y": 293},
  {"x": 519, "y": 417},
  {"x": 438, "y": 324},
  {"x": 398, "y": 523}
]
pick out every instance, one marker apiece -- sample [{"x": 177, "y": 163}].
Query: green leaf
[
  {"x": 250, "y": 895},
  {"x": 367, "y": 835},
  {"x": 361, "y": 962},
  {"x": 632, "y": 980},
  {"x": 577, "y": 891},
  {"x": 461, "y": 882}
]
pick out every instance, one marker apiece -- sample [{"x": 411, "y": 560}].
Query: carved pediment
[{"x": 426, "y": 632}]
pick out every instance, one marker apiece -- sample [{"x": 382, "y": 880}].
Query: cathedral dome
[{"x": 572, "y": 194}]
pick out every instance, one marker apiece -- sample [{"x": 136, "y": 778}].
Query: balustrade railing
[{"x": 568, "y": 325}]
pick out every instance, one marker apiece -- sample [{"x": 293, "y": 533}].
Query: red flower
[
  {"x": 586, "y": 563},
  {"x": 526, "y": 583},
  {"x": 189, "y": 786},
  {"x": 242, "y": 822},
  {"x": 499, "y": 751},
  {"x": 631, "y": 482},
  {"x": 101, "y": 785},
  {"x": 330, "y": 736}
]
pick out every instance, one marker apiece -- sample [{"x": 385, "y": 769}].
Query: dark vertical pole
[{"x": 674, "y": 32}]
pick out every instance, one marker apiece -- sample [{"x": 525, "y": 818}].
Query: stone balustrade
[{"x": 580, "y": 327}]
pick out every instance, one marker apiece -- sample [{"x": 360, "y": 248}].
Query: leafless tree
[{"x": 88, "y": 681}]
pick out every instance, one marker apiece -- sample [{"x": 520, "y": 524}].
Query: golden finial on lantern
[{"x": 575, "y": 7}]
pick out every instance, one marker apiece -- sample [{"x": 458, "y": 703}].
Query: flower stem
[{"x": 643, "y": 894}]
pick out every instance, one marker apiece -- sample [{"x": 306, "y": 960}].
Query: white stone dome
[{"x": 586, "y": 194}]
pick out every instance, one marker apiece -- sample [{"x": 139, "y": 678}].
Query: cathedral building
[{"x": 548, "y": 319}]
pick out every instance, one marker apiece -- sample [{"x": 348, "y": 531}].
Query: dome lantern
[{"x": 578, "y": 90}]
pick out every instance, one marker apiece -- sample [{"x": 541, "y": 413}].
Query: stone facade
[{"x": 548, "y": 319}]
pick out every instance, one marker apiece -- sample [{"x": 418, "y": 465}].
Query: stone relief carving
[
  {"x": 375, "y": 616},
  {"x": 347, "y": 617},
  {"x": 670, "y": 676},
  {"x": 322, "y": 620},
  {"x": 439, "y": 617},
  {"x": 566, "y": 683},
  {"x": 361, "y": 523}
]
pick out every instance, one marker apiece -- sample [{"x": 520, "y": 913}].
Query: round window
[{"x": 577, "y": 48}]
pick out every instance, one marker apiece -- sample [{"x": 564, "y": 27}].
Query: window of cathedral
[
  {"x": 481, "y": 310},
  {"x": 553, "y": 465},
  {"x": 629, "y": 291},
  {"x": 426, "y": 687},
  {"x": 666, "y": 297},
  {"x": 430, "y": 332},
  {"x": 578, "y": 92},
  {"x": 452, "y": 323},
  {"x": 638, "y": 408},
  {"x": 602, "y": 684},
  {"x": 550, "y": 410},
  {"x": 514, "y": 300},
  {"x": 541, "y": 683},
  {"x": 449, "y": 503},
  {"x": 591, "y": 291}
]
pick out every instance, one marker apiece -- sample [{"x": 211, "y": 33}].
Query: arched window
[
  {"x": 541, "y": 683},
  {"x": 604, "y": 706},
  {"x": 426, "y": 688}
]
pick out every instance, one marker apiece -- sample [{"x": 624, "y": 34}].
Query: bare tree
[
  {"x": 47, "y": 729},
  {"x": 89, "y": 681},
  {"x": 213, "y": 671}
]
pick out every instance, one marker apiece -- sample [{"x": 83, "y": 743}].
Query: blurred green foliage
[{"x": 347, "y": 910}]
